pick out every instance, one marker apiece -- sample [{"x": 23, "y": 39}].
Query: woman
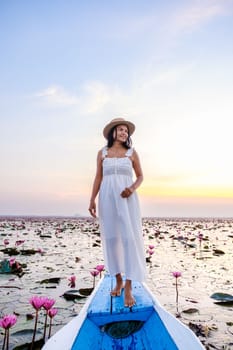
[{"x": 119, "y": 213}]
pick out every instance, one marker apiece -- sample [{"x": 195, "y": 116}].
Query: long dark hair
[{"x": 110, "y": 140}]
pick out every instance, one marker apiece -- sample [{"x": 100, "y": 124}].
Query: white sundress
[{"x": 120, "y": 219}]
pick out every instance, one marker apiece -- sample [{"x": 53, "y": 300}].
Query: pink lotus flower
[
  {"x": 48, "y": 303},
  {"x": 11, "y": 261},
  {"x": 200, "y": 236},
  {"x": 19, "y": 242},
  {"x": 100, "y": 268},
  {"x": 17, "y": 265},
  {"x": 37, "y": 302},
  {"x": 51, "y": 313},
  {"x": 176, "y": 274},
  {"x": 40, "y": 250},
  {"x": 6, "y": 242},
  {"x": 150, "y": 251},
  {"x": 72, "y": 280},
  {"x": 94, "y": 273},
  {"x": 8, "y": 321}
]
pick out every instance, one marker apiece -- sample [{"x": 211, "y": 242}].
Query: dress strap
[
  {"x": 104, "y": 152},
  {"x": 129, "y": 152}
]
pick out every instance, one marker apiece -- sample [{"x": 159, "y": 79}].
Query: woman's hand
[
  {"x": 92, "y": 209},
  {"x": 127, "y": 192}
]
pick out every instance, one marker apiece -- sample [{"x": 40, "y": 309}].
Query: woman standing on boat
[{"x": 119, "y": 212}]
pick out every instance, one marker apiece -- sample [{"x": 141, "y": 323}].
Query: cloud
[
  {"x": 97, "y": 95},
  {"x": 199, "y": 12},
  {"x": 93, "y": 97},
  {"x": 56, "y": 95},
  {"x": 172, "y": 18}
]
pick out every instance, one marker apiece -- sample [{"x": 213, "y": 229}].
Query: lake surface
[{"x": 56, "y": 248}]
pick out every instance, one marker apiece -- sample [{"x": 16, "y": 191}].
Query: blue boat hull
[
  {"x": 106, "y": 310},
  {"x": 106, "y": 324}
]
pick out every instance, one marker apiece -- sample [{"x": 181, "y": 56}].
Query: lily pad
[
  {"x": 218, "y": 252},
  {"x": 10, "y": 251},
  {"x": 37, "y": 345},
  {"x": 51, "y": 280},
  {"x": 191, "y": 245},
  {"x": 15, "y": 267},
  {"x": 85, "y": 291},
  {"x": 222, "y": 298},
  {"x": 199, "y": 329},
  {"x": 5, "y": 267},
  {"x": 191, "y": 310},
  {"x": 73, "y": 294},
  {"x": 28, "y": 251},
  {"x": 45, "y": 236}
]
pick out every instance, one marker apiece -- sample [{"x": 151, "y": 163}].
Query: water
[{"x": 201, "y": 249}]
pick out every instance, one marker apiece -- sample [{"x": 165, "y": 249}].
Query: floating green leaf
[{"x": 222, "y": 298}]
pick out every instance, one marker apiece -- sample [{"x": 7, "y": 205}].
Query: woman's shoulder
[
  {"x": 130, "y": 152},
  {"x": 103, "y": 149},
  {"x": 134, "y": 155},
  {"x": 103, "y": 152}
]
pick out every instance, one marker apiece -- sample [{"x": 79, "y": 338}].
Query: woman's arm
[
  {"x": 138, "y": 171},
  {"x": 96, "y": 185},
  {"x": 139, "y": 176}
]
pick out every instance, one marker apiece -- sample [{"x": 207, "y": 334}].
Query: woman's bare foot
[
  {"x": 116, "y": 292},
  {"x": 129, "y": 298}
]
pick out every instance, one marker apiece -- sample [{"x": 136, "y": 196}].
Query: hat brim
[{"x": 108, "y": 127}]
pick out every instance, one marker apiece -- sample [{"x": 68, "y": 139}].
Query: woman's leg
[
  {"x": 129, "y": 299},
  {"x": 116, "y": 292}
]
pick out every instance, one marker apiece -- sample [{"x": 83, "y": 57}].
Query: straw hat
[{"x": 118, "y": 121}]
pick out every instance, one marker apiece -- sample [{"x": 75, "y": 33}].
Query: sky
[{"x": 68, "y": 67}]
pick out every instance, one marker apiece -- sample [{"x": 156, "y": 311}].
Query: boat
[{"x": 104, "y": 323}]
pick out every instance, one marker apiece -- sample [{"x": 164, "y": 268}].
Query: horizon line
[{"x": 90, "y": 217}]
